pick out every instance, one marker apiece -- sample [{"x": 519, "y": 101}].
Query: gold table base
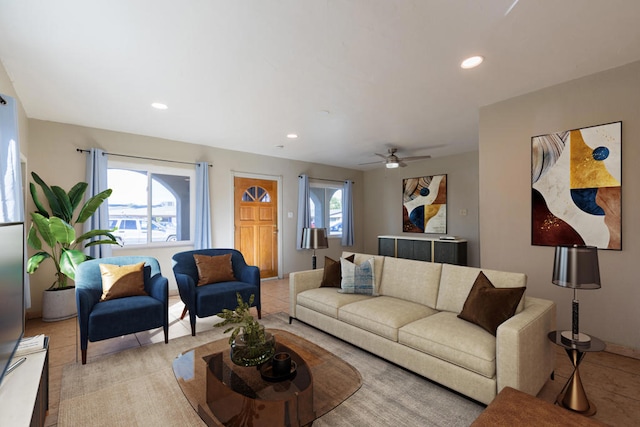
[{"x": 573, "y": 397}]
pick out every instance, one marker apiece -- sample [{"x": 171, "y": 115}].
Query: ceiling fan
[{"x": 392, "y": 161}]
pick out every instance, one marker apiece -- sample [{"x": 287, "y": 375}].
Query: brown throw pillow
[
  {"x": 214, "y": 269},
  {"x": 332, "y": 276},
  {"x": 122, "y": 281},
  {"x": 488, "y": 306}
]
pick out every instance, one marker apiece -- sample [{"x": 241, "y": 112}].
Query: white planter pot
[{"x": 59, "y": 305}]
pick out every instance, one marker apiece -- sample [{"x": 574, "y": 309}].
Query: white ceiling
[{"x": 351, "y": 77}]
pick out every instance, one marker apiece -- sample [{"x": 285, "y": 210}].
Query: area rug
[{"x": 137, "y": 387}]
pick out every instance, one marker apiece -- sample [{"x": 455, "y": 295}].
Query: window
[
  {"x": 147, "y": 195},
  {"x": 256, "y": 194},
  {"x": 325, "y": 207}
]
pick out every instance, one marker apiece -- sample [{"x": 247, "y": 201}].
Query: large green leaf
[
  {"x": 92, "y": 205},
  {"x": 36, "y": 200},
  {"x": 42, "y": 225},
  {"x": 32, "y": 238},
  {"x": 63, "y": 232},
  {"x": 49, "y": 194},
  {"x": 102, "y": 242},
  {"x": 76, "y": 194},
  {"x": 66, "y": 211},
  {"x": 110, "y": 238},
  {"x": 70, "y": 260},
  {"x": 35, "y": 260}
]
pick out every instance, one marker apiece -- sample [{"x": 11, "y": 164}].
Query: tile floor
[{"x": 611, "y": 381}]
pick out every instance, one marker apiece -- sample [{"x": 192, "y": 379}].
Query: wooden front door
[{"x": 256, "y": 223}]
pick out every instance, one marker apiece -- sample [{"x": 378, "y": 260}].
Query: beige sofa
[{"x": 413, "y": 322}]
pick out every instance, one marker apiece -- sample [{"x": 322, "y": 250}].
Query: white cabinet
[{"x": 24, "y": 392}]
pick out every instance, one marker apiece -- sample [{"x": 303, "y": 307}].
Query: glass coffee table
[{"x": 223, "y": 393}]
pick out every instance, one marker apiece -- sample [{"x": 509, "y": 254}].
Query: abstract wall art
[
  {"x": 424, "y": 204},
  {"x": 576, "y": 187}
]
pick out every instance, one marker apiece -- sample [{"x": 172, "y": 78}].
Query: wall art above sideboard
[
  {"x": 576, "y": 187},
  {"x": 424, "y": 204}
]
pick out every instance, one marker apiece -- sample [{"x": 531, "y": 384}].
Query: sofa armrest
[
  {"x": 301, "y": 281},
  {"x": 524, "y": 354}
]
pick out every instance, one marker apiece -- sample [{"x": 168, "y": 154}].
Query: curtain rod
[
  {"x": 80, "y": 150},
  {"x": 329, "y": 180},
  {"x": 2, "y": 101}
]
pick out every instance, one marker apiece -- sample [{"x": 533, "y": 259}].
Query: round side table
[{"x": 573, "y": 396}]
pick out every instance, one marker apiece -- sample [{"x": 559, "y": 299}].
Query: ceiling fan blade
[
  {"x": 371, "y": 163},
  {"x": 381, "y": 155},
  {"x": 401, "y": 163},
  {"x": 412, "y": 158}
]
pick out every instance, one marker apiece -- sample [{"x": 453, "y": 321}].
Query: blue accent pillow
[{"x": 357, "y": 279}]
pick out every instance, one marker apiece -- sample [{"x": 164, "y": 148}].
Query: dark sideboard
[{"x": 424, "y": 249}]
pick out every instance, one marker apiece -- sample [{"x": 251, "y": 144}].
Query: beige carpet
[{"x": 137, "y": 388}]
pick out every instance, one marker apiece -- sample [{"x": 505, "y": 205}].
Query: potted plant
[
  {"x": 251, "y": 345},
  {"x": 55, "y": 227}
]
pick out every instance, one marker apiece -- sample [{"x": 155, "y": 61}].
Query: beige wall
[
  {"x": 53, "y": 155},
  {"x": 383, "y": 200},
  {"x": 610, "y": 313}
]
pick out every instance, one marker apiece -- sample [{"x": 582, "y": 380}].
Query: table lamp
[
  {"x": 314, "y": 238},
  {"x": 576, "y": 267}
]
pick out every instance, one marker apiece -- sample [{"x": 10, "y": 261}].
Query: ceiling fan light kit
[{"x": 391, "y": 161}]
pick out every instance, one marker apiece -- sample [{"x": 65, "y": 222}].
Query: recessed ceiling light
[
  {"x": 472, "y": 62},
  {"x": 159, "y": 106},
  {"x": 292, "y": 135}
]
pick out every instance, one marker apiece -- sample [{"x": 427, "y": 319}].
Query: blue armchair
[
  {"x": 209, "y": 300},
  {"x": 100, "y": 320}
]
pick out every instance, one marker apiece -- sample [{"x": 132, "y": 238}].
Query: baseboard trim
[{"x": 623, "y": 351}]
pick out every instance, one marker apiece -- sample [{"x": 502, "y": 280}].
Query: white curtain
[
  {"x": 11, "y": 192},
  {"x": 347, "y": 214},
  {"x": 96, "y": 177},
  {"x": 202, "y": 239},
  {"x": 304, "y": 218},
  {"x": 11, "y": 195}
]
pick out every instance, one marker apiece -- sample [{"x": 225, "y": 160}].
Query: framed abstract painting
[
  {"x": 576, "y": 187},
  {"x": 424, "y": 204}
]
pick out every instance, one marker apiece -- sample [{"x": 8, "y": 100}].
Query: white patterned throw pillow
[{"x": 357, "y": 279}]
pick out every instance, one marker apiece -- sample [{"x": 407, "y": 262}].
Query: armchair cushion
[
  {"x": 214, "y": 269},
  {"x": 122, "y": 281}
]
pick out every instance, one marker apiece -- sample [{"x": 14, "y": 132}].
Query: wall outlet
[{"x": 463, "y": 212}]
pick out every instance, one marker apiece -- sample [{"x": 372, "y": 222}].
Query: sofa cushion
[
  {"x": 383, "y": 315},
  {"x": 456, "y": 281},
  {"x": 327, "y": 300},
  {"x": 411, "y": 280},
  {"x": 378, "y": 263},
  {"x": 454, "y": 340},
  {"x": 488, "y": 306},
  {"x": 357, "y": 279},
  {"x": 332, "y": 272}
]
